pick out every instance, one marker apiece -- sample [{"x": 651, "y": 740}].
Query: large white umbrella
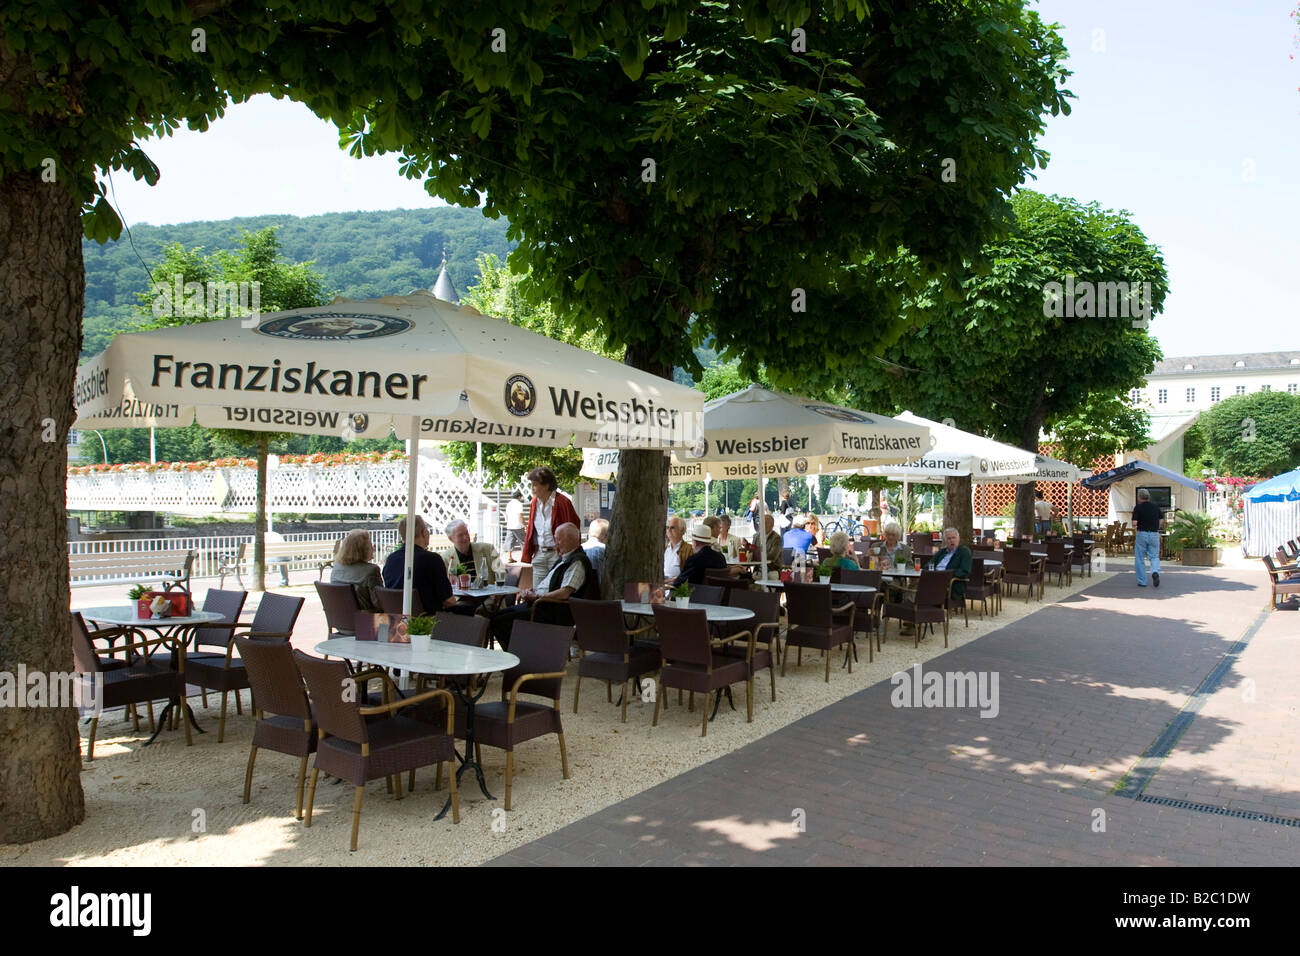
[
  {"x": 955, "y": 454},
  {"x": 424, "y": 367},
  {"x": 758, "y": 433}
]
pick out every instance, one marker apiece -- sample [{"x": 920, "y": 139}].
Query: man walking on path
[{"x": 1148, "y": 521}]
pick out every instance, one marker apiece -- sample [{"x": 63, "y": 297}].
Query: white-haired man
[
  {"x": 597, "y": 535},
  {"x": 475, "y": 554}
]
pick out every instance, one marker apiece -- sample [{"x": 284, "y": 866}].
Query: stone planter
[{"x": 1200, "y": 557}]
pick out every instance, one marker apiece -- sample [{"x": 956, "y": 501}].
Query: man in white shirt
[
  {"x": 514, "y": 525},
  {"x": 1042, "y": 513},
  {"x": 597, "y": 533}
]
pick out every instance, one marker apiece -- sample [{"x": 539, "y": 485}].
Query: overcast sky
[{"x": 1186, "y": 114}]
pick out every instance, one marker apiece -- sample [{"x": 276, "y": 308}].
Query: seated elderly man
[
  {"x": 475, "y": 554},
  {"x": 771, "y": 542},
  {"x": 954, "y": 557},
  {"x": 572, "y": 576},
  {"x": 429, "y": 579},
  {"x": 597, "y": 535},
  {"x": 704, "y": 558}
]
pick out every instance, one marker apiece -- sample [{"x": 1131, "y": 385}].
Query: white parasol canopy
[
  {"x": 955, "y": 453},
  {"x": 427, "y": 368}
]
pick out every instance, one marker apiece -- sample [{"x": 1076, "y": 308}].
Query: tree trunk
[
  {"x": 1025, "y": 492},
  {"x": 42, "y": 288},
  {"x": 259, "y": 522},
  {"x": 636, "y": 540},
  {"x": 957, "y": 510}
]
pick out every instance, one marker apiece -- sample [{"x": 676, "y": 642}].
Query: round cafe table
[
  {"x": 835, "y": 588},
  {"x": 174, "y": 630},
  {"x": 483, "y": 594},
  {"x": 460, "y": 663},
  {"x": 713, "y": 612}
]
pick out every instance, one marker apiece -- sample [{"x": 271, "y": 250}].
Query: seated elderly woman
[
  {"x": 839, "y": 545},
  {"x": 727, "y": 543},
  {"x": 892, "y": 551},
  {"x": 354, "y": 565}
]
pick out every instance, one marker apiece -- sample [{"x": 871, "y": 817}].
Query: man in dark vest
[{"x": 572, "y": 576}]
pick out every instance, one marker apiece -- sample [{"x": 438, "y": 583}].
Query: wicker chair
[
  {"x": 1279, "y": 584},
  {"x": 812, "y": 623},
  {"x": 390, "y": 601},
  {"x": 982, "y": 585},
  {"x": 543, "y": 652},
  {"x": 766, "y": 606},
  {"x": 137, "y": 682},
  {"x": 278, "y": 691},
  {"x": 867, "y": 619},
  {"x": 274, "y": 620},
  {"x": 339, "y": 601},
  {"x": 1020, "y": 567},
  {"x": 358, "y": 751},
  {"x": 692, "y": 662},
  {"x": 1057, "y": 562},
  {"x": 933, "y": 593},
  {"x": 608, "y": 650}
]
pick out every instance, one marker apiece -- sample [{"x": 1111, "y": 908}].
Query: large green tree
[
  {"x": 281, "y": 286},
  {"x": 1007, "y": 359},
  {"x": 725, "y": 188},
  {"x": 1256, "y": 434},
  {"x": 778, "y": 155}
]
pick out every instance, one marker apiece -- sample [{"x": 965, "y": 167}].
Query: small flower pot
[
  {"x": 682, "y": 602},
  {"x": 824, "y": 579},
  {"x": 420, "y": 643}
]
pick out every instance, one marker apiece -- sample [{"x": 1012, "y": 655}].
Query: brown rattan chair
[
  {"x": 922, "y": 544},
  {"x": 1020, "y": 567},
  {"x": 1057, "y": 561},
  {"x": 467, "y": 629},
  {"x": 707, "y": 594},
  {"x": 982, "y": 586},
  {"x": 766, "y": 606},
  {"x": 140, "y": 681},
  {"x": 812, "y": 623},
  {"x": 693, "y": 662},
  {"x": 390, "y": 601},
  {"x": 543, "y": 652},
  {"x": 1279, "y": 584},
  {"x": 339, "y": 601},
  {"x": 608, "y": 649},
  {"x": 278, "y": 691},
  {"x": 933, "y": 590},
  {"x": 274, "y": 620},
  {"x": 1081, "y": 556},
  {"x": 357, "y": 750},
  {"x": 867, "y": 619}
]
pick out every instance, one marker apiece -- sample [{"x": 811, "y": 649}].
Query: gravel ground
[{"x": 167, "y": 804}]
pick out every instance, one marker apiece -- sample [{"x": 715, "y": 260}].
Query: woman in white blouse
[{"x": 728, "y": 544}]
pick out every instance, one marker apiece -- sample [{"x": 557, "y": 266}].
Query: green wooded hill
[{"x": 360, "y": 254}]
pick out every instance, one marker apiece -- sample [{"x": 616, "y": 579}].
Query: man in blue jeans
[{"x": 1148, "y": 522}]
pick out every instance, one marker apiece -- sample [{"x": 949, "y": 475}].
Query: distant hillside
[{"x": 361, "y": 255}]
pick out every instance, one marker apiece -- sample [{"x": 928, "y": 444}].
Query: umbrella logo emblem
[
  {"x": 839, "y": 414},
  {"x": 521, "y": 396},
  {"x": 699, "y": 449},
  {"x": 984, "y": 464},
  {"x": 354, "y": 425},
  {"x": 333, "y": 326},
  {"x": 801, "y": 465}
]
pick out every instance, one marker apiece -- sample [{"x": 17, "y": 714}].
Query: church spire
[{"x": 442, "y": 287}]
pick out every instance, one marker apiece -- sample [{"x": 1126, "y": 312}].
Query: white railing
[
  {"x": 375, "y": 488},
  {"x": 212, "y": 550}
]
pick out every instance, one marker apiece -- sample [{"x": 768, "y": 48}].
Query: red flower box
[{"x": 179, "y": 600}]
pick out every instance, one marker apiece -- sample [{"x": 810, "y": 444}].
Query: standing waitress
[{"x": 549, "y": 510}]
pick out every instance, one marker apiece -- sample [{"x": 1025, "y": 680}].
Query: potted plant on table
[
  {"x": 464, "y": 571},
  {"x": 137, "y": 594},
  {"x": 824, "y": 571},
  {"x": 1192, "y": 533},
  {"x": 420, "y": 629},
  {"x": 682, "y": 593}
]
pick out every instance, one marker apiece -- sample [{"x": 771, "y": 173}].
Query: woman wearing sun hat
[{"x": 704, "y": 558}]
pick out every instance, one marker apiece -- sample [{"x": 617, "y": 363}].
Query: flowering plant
[{"x": 319, "y": 458}]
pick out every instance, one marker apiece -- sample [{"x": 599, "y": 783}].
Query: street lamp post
[{"x": 101, "y": 444}]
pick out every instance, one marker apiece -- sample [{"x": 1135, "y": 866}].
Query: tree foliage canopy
[
  {"x": 1256, "y": 434},
  {"x": 996, "y": 364}
]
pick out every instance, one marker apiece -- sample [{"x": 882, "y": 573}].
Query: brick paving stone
[{"x": 1084, "y": 690}]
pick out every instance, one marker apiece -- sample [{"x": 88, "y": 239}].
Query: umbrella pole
[
  {"x": 412, "y": 468},
  {"x": 1069, "y": 507},
  {"x": 760, "y": 532},
  {"x": 905, "y": 526}
]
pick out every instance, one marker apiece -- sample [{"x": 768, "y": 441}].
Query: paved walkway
[{"x": 1058, "y": 777}]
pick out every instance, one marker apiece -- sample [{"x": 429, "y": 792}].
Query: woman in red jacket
[{"x": 549, "y": 509}]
